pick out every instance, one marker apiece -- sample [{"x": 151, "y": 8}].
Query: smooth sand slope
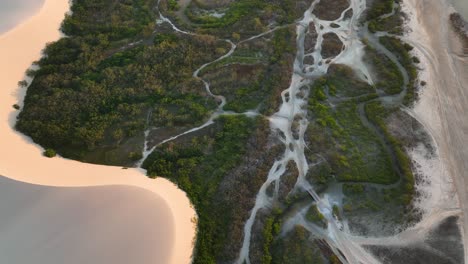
[
  {"x": 75, "y": 225},
  {"x": 443, "y": 107},
  {"x": 23, "y": 161},
  {"x": 14, "y": 11}
]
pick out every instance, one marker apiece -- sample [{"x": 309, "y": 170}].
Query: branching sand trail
[
  {"x": 439, "y": 203},
  {"x": 22, "y": 160},
  {"x": 442, "y": 110}
]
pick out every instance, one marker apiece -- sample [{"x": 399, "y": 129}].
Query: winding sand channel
[{"x": 22, "y": 160}]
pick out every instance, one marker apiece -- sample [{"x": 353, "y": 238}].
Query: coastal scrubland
[{"x": 122, "y": 71}]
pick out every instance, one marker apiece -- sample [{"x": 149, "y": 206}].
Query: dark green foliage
[
  {"x": 103, "y": 89},
  {"x": 16, "y": 106},
  {"x": 135, "y": 156},
  {"x": 379, "y": 8},
  {"x": 389, "y": 77},
  {"x": 50, "y": 153},
  {"x": 173, "y": 5},
  {"x": 402, "y": 51},
  {"x": 270, "y": 230},
  {"x": 342, "y": 81},
  {"x": 198, "y": 168},
  {"x": 353, "y": 152},
  {"x": 336, "y": 212},
  {"x": 114, "y": 20},
  {"x": 376, "y": 113},
  {"x": 296, "y": 248},
  {"x": 350, "y": 189},
  {"x": 392, "y": 24},
  {"x": 247, "y": 79},
  {"x": 235, "y": 12},
  {"x": 314, "y": 215},
  {"x": 281, "y": 44},
  {"x": 96, "y": 88},
  {"x": 249, "y": 12}
]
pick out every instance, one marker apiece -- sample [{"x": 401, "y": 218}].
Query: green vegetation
[
  {"x": 348, "y": 130},
  {"x": 379, "y": 8},
  {"x": 353, "y": 151},
  {"x": 50, "y": 153},
  {"x": 250, "y": 78},
  {"x": 350, "y": 189},
  {"x": 389, "y": 77},
  {"x": 270, "y": 230},
  {"x": 336, "y": 212},
  {"x": 314, "y": 216},
  {"x": 198, "y": 167},
  {"x": 342, "y": 81},
  {"x": 106, "y": 86},
  {"x": 392, "y": 24},
  {"x": 118, "y": 73},
  {"x": 253, "y": 13},
  {"x": 402, "y": 51},
  {"x": 109, "y": 20},
  {"x": 173, "y": 5},
  {"x": 376, "y": 113},
  {"x": 296, "y": 248},
  {"x": 234, "y": 13}
]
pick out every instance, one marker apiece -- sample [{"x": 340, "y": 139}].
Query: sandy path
[
  {"x": 443, "y": 107},
  {"x": 21, "y": 160}
]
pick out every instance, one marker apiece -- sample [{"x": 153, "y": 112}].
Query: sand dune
[
  {"x": 22, "y": 160},
  {"x": 14, "y": 11},
  {"x": 75, "y": 225}
]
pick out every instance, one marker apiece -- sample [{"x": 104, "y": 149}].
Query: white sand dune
[
  {"x": 14, "y": 11},
  {"x": 75, "y": 225},
  {"x": 22, "y": 160}
]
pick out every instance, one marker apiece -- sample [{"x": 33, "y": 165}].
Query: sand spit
[
  {"x": 443, "y": 107},
  {"x": 75, "y": 225},
  {"x": 22, "y": 160}
]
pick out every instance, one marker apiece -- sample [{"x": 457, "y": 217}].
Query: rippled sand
[{"x": 22, "y": 160}]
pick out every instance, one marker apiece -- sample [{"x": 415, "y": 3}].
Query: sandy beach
[
  {"x": 22, "y": 160},
  {"x": 443, "y": 107}
]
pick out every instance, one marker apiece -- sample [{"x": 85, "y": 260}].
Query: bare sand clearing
[
  {"x": 75, "y": 225},
  {"x": 443, "y": 107},
  {"x": 22, "y": 160}
]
